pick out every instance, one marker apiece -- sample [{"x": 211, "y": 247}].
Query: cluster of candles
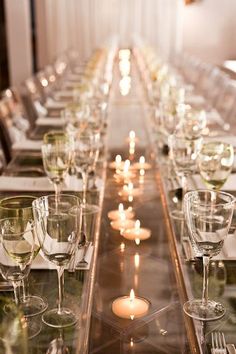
[{"x": 129, "y": 306}]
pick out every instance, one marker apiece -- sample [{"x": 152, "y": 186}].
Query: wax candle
[
  {"x": 129, "y": 192},
  {"x": 142, "y": 164},
  {"x": 125, "y": 174},
  {"x": 117, "y": 214},
  {"x": 130, "y": 307},
  {"x": 122, "y": 223},
  {"x": 118, "y": 164},
  {"x": 136, "y": 233}
]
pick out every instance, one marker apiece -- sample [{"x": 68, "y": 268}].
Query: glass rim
[
  {"x": 17, "y": 197},
  {"x": 30, "y": 226},
  {"x": 191, "y": 193},
  {"x": 44, "y": 197}
]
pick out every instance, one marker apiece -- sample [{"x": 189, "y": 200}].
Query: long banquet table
[{"x": 157, "y": 269}]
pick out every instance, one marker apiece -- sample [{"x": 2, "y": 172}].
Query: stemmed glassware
[
  {"x": 59, "y": 221},
  {"x": 21, "y": 206},
  {"x": 208, "y": 215},
  {"x": 215, "y": 162},
  {"x": 57, "y": 153},
  {"x": 86, "y": 155},
  {"x": 184, "y": 154}
]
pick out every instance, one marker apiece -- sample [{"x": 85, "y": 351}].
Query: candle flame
[
  {"x": 122, "y": 216},
  {"x": 126, "y": 166},
  {"x": 136, "y": 260},
  {"x": 131, "y": 342},
  {"x": 122, "y": 247},
  {"x": 132, "y": 317},
  {"x": 130, "y": 187},
  {"x": 137, "y": 241},
  {"x": 142, "y": 159},
  {"x": 132, "y": 135},
  {"x": 130, "y": 198},
  {"x": 121, "y": 208},
  {"x": 131, "y": 295},
  {"x": 130, "y": 208},
  {"x": 137, "y": 225},
  {"x": 118, "y": 159}
]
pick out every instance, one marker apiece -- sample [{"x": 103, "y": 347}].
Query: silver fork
[{"x": 218, "y": 343}]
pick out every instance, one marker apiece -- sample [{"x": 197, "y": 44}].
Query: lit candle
[
  {"x": 130, "y": 307},
  {"x": 124, "y": 174},
  {"x": 118, "y": 164},
  {"x": 142, "y": 164},
  {"x": 117, "y": 214},
  {"x": 141, "y": 175},
  {"x": 129, "y": 191},
  {"x": 136, "y": 233},
  {"x": 132, "y": 136},
  {"x": 122, "y": 223}
]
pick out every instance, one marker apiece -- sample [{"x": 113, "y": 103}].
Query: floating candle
[
  {"x": 142, "y": 164},
  {"x": 117, "y": 214},
  {"x": 136, "y": 233},
  {"x": 122, "y": 223},
  {"x": 130, "y": 307}
]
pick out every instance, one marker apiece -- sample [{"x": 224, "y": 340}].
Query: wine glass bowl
[
  {"x": 60, "y": 220},
  {"x": 215, "y": 162},
  {"x": 208, "y": 216}
]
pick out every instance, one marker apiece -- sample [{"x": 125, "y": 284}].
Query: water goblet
[
  {"x": 57, "y": 153},
  {"x": 208, "y": 215},
  {"x": 183, "y": 153},
  {"x": 215, "y": 162},
  {"x": 21, "y": 206},
  {"x": 86, "y": 156},
  {"x": 58, "y": 238}
]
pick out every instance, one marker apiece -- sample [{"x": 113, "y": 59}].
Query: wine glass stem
[
  {"x": 206, "y": 260},
  {"x": 85, "y": 183},
  {"x": 60, "y": 271},
  {"x": 24, "y": 284},
  {"x": 57, "y": 187},
  {"x": 16, "y": 288}
]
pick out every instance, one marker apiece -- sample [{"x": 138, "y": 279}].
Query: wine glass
[
  {"x": 57, "y": 153},
  {"x": 215, "y": 162},
  {"x": 58, "y": 238},
  {"x": 86, "y": 155},
  {"x": 17, "y": 247},
  {"x": 208, "y": 215},
  {"x": 21, "y": 206},
  {"x": 184, "y": 154}
]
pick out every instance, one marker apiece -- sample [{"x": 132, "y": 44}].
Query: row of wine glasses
[{"x": 52, "y": 226}]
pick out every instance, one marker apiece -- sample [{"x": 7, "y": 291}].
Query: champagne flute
[
  {"x": 57, "y": 152},
  {"x": 58, "y": 238},
  {"x": 208, "y": 216},
  {"x": 86, "y": 155},
  {"x": 21, "y": 206},
  {"x": 184, "y": 154},
  {"x": 215, "y": 162}
]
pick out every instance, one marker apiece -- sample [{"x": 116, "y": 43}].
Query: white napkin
[
  {"x": 50, "y": 121},
  {"x": 40, "y": 262},
  {"x": 228, "y": 251},
  {"x": 52, "y": 104},
  {"x": 196, "y": 182},
  {"x": 27, "y": 144}
]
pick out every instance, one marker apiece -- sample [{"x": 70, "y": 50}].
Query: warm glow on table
[
  {"x": 130, "y": 307},
  {"x": 117, "y": 214},
  {"x": 122, "y": 223},
  {"x": 142, "y": 164},
  {"x": 137, "y": 233},
  {"x": 118, "y": 164}
]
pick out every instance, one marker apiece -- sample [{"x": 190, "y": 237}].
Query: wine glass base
[
  {"x": 33, "y": 306},
  {"x": 197, "y": 310},
  {"x": 177, "y": 215},
  {"x": 34, "y": 327},
  {"x": 65, "y": 318}
]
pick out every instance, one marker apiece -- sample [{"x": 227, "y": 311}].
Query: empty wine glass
[
  {"x": 208, "y": 215},
  {"x": 215, "y": 162},
  {"x": 184, "y": 154},
  {"x": 21, "y": 206},
  {"x": 86, "y": 155},
  {"x": 57, "y": 152},
  {"x": 58, "y": 238}
]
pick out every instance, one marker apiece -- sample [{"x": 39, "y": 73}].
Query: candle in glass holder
[
  {"x": 118, "y": 164},
  {"x": 130, "y": 307},
  {"x": 142, "y": 164},
  {"x": 136, "y": 233},
  {"x": 117, "y": 214},
  {"x": 122, "y": 223}
]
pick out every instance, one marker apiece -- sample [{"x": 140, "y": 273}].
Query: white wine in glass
[{"x": 215, "y": 162}]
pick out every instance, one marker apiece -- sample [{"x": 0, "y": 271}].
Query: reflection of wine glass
[
  {"x": 184, "y": 153},
  {"x": 21, "y": 206},
  {"x": 86, "y": 155},
  {"x": 208, "y": 215},
  {"x": 58, "y": 345},
  {"x": 17, "y": 236},
  {"x": 58, "y": 238},
  {"x": 57, "y": 154},
  {"x": 215, "y": 163}
]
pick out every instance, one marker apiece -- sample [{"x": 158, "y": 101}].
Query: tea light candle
[
  {"x": 118, "y": 164},
  {"x": 122, "y": 223},
  {"x": 132, "y": 137},
  {"x": 129, "y": 191},
  {"x": 142, "y": 164},
  {"x": 124, "y": 174},
  {"x": 130, "y": 307},
  {"x": 117, "y": 214},
  {"x": 137, "y": 233}
]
